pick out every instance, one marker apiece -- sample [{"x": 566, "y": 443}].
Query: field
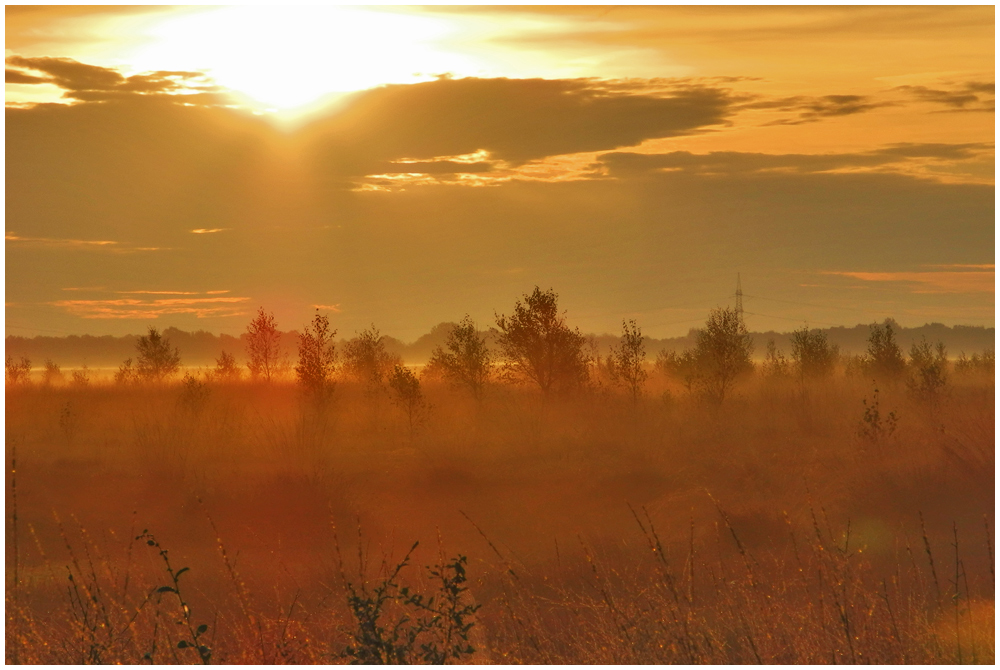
[{"x": 778, "y": 526}]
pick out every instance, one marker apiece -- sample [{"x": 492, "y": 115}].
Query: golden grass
[{"x": 764, "y": 530}]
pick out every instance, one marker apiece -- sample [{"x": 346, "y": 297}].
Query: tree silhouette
[
  {"x": 317, "y": 356},
  {"x": 155, "y": 360},
  {"x": 884, "y": 359},
  {"x": 263, "y": 346},
  {"x": 722, "y": 351},
  {"x": 626, "y": 363},
  {"x": 406, "y": 391},
  {"x": 812, "y": 353},
  {"x": 539, "y": 347},
  {"x": 465, "y": 359},
  {"x": 366, "y": 359}
]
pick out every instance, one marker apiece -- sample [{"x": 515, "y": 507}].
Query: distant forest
[{"x": 202, "y": 348}]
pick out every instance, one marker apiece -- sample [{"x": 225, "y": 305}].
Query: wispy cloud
[
  {"x": 941, "y": 281},
  {"x": 204, "y": 231},
  {"x": 138, "y": 308},
  {"x": 330, "y": 308},
  {"x": 93, "y": 245}
]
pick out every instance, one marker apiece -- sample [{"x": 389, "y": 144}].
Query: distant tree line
[{"x": 533, "y": 345}]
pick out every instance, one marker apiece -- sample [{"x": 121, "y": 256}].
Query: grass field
[{"x": 769, "y": 528}]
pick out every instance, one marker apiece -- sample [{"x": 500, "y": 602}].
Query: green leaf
[
  {"x": 202, "y": 628},
  {"x": 183, "y": 644}
]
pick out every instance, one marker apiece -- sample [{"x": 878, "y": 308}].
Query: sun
[{"x": 287, "y": 59}]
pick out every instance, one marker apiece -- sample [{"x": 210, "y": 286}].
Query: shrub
[
  {"x": 427, "y": 629},
  {"x": 883, "y": 357},
  {"x": 813, "y": 355},
  {"x": 52, "y": 374},
  {"x": 722, "y": 352},
  {"x": 126, "y": 373},
  {"x": 626, "y": 363},
  {"x": 366, "y": 358},
  {"x": 226, "y": 370},
  {"x": 538, "y": 347},
  {"x": 975, "y": 364},
  {"x": 465, "y": 359},
  {"x": 928, "y": 369},
  {"x": 775, "y": 364},
  {"x": 406, "y": 391},
  {"x": 263, "y": 343},
  {"x": 683, "y": 367},
  {"x": 17, "y": 373},
  {"x": 155, "y": 361},
  {"x": 317, "y": 356}
]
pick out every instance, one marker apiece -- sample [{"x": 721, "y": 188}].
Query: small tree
[
  {"x": 81, "y": 378},
  {"x": 226, "y": 370},
  {"x": 263, "y": 342},
  {"x": 156, "y": 361},
  {"x": 406, "y": 391},
  {"x": 775, "y": 366},
  {"x": 928, "y": 370},
  {"x": 884, "y": 358},
  {"x": 539, "y": 347},
  {"x": 977, "y": 363},
  {"x": 17, "y": 373},
  {"x": 722, "y": 350},
  {"x": 366, "y": 359},
  {"x": 812, "y": 353},
  {"x": 126, "y": 373},
  {"x": 683, "y": 367},
  {"x": 53, "y": 374},
  {"x": 465, "y": 359},
  {"x": 626, "y": 362},
  {"x": 317, "y": 356}
]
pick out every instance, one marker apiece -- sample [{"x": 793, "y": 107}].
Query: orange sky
[{"x": 405, "y": 166}]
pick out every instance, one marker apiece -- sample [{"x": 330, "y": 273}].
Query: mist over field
[{"x": 509, "y": 335}]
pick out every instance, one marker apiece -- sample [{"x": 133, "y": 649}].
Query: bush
[
  {"x": 928, "y": 369},
  {"x": 722, "y": 352},
  {"x": 626, "y": 363},
  {"x": 406, "y": 391},
  {"x": 427, "y": 629},
  {"x": 883, "y": 358},
  {"x": 538, "y": 347},
  {"x": 366, "y": 359},
  {"x": 317, "y": 356},
  {"x": 976, "y": 364},
  {"x": 17, "y": 373},
  {"x": 813, "y": 355},
  {"x": 465, "y": 359},
  {"x": 263, "y": 342},
  {"x": 775, "y": 364},
  {"x": 226, "y": 370},
  {"x": 52, "y": 374},
  {"x": 155, "y": 361}
]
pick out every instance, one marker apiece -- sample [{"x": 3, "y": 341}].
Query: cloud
[
  {"x": 811, "y": 109},
  {"x": 83, "y": 82},
  {"x": 932, "y": 282},
  {"x": 514, "y": 120},
  {"x": 330, "y": 308},
  {"x": 205, "y": 231},
  {"x": 93, "y": 245},
  {"x": 135, "y": 308},
  {"x": 620, "y": 164},
  {"x": 971, "y": 96}
]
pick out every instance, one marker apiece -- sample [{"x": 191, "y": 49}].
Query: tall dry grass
[{"x": 768, "y": 529}]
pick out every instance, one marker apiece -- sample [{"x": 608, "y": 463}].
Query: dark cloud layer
[
  {"x": 973, "y": 96},
  {"x": 515, "y": 120},
  {"x": 619, "y": 164},
  {"x": 810, "y": 109},
  {"x": 92, "y": 83}
]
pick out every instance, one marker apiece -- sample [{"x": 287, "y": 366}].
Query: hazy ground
[{"x": 786, "y": 536}]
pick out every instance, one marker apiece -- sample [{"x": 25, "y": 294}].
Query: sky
[{"x": 406, "y": 166}]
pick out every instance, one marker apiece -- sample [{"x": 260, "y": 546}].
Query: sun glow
[{"x": 288, "y": 59}]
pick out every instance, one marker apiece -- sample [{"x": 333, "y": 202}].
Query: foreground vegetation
[{"x": 700, "y": 509}]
